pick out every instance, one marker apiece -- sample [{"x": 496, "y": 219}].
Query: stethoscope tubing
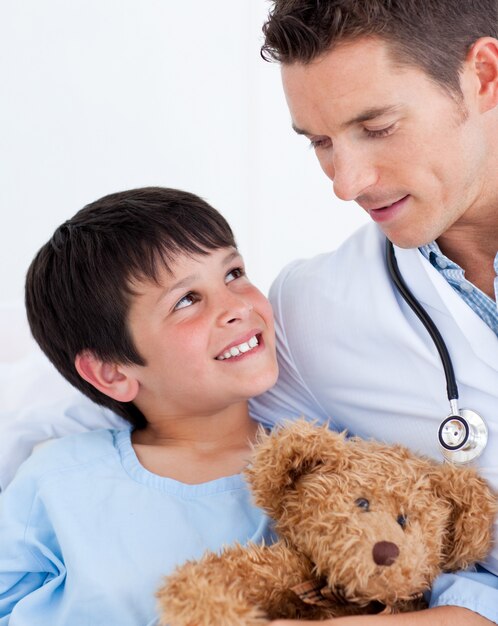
[
  {"x": 458, "y": 446},
  {"x": 421, "y": 313}
]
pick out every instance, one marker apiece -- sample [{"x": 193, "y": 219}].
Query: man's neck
[{"x": 474, "y": 251}]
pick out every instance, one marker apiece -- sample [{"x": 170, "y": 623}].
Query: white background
[{"x": 102, "y": 95}]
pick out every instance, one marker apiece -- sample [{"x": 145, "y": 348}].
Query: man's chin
[{"x": 406, "y": 240}]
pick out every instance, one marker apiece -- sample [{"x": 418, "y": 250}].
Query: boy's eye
[
  {"x": 187, "y": 300},
  {"x": 234, "y": 273}
]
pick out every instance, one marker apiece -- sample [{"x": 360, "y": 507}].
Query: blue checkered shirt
[{"x": 479, "y": 302}]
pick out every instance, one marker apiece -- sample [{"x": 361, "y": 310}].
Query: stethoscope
[{"x": 462, "y": 435}]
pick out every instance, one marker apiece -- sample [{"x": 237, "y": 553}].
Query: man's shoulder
[{"x": 359, "y": 256}]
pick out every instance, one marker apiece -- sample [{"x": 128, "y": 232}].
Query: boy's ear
[{"x": 109, "y": 378}]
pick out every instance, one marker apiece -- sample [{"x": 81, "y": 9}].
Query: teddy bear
[{"x": 363, "y": 527}]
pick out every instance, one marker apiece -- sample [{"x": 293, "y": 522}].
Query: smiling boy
[{"x": 142, "y": 302}]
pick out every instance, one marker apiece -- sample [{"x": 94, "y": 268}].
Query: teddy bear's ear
[
  {"x": 286, "y": 454},
  {"x": 473, "y": 508}
]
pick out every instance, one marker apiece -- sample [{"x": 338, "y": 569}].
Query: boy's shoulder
[{"x": 70, "y": 453}]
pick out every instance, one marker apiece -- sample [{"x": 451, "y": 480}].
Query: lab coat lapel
[{"x": 433, "y": 291}]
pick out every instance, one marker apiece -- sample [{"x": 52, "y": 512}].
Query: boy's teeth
[{"x": 240, "y": 349}]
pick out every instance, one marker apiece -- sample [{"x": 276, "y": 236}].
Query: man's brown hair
[{"x": 434, "y": 35}]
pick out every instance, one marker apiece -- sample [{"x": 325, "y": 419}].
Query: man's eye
[
  {"x": 381, "y": 132},
  {"x": 234, "y": 273},
  {"x": 320, "y": 142},
  {"x": 187, "y": 300}
]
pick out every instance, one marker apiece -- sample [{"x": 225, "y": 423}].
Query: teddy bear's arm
[{"x": 243, "y": 586}]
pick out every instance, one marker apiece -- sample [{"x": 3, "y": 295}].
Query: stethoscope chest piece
[{"x": 462, "y": 436}]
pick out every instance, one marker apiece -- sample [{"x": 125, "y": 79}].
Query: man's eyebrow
[
  {"x": 300, "y": 131},
  {"x": 364, "y": 116},
  {"x": 371, "y": 114}
]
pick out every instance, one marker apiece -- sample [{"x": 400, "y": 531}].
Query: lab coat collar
[{"x": 437, "y": 293}]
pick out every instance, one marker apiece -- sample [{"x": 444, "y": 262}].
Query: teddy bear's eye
[
  {"x": 401, "y": 519},
  {"x": 363, "y": 503}
]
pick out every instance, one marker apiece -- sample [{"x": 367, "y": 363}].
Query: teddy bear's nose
[{"x": 385, "y": 553}]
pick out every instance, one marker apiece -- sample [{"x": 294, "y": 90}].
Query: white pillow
[
  {"x": 15, "y": 338},
  {"x": 36, "y": 402}
]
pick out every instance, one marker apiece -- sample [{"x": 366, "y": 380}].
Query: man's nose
[
  {"x": 233, "y": 307},
  {"x": 351, "y": 172}
]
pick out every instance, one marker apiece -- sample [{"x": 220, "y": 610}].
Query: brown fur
[{"x": 309, "y": 480}]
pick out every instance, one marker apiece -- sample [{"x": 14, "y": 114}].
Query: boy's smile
[
  {"x": 206, "y": 335},
  {"x": 239, "y": 348}
]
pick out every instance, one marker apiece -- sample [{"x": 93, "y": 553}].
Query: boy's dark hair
[
  {"x": 434, "y": 35},
  {"x": 78, "y": 287}
]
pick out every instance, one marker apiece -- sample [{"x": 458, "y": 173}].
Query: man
[{"x": 399, "y": 99}]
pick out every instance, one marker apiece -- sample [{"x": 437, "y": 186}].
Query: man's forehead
[{"x": 346, "y": 86}]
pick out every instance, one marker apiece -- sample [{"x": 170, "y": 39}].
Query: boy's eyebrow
[
  {"x": 364, "y": 116},
  {"x": 187, "y": 280},
  {"x": 231, "y": 256}
]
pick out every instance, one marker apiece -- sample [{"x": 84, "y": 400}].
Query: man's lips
[{"x": 384, "y": 213}]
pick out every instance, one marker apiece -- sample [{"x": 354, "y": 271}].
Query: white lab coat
[{"x": 352, "y": 351}]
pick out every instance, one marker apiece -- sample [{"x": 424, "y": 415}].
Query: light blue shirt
[
  {"x": 87, "y": 534},
  {"x": 479, "y": 302}
]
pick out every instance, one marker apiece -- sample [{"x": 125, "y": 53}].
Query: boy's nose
[{"x": 234, "y": 308}]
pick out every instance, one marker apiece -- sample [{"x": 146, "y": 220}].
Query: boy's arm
[{"x": 29, "y": 556}]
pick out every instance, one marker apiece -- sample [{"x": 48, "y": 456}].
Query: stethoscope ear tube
[{"x": 462, "y": 435}]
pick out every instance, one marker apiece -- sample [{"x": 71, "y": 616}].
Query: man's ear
[
  {"x": 109, "y": 378},
  {"x": 483, "y": 58}
]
